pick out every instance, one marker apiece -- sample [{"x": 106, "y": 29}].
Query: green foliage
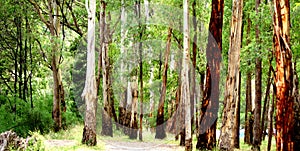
[{"x": 25, "y": 119}]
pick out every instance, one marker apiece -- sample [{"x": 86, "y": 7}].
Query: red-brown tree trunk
[
  {"x": 210, "y": 104},
  {"x": 284, "y": 76}
]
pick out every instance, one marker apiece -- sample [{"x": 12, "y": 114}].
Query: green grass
[
  {"x": 263, "y": 147},
  {"x": 74, "y": 134}
]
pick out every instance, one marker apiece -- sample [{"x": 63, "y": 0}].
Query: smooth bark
[
  {"x": 185, "y": 86},
  {"x": 89, "y": 93}
]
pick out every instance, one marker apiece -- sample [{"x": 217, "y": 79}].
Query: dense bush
[{"x": 23, "y": 119}]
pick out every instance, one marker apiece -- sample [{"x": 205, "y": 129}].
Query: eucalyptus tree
[
  {"x": 229, "y": 137},
  {"x": 284, "y": 76},
  {"x": 207, "y": 140},
  {"x": 160, "y": 129},
  {"x": 122, "y": 104},
  {"x": 52, "y": 22},
  {"x": 185, "y": 86},
  {"x": 89, "y": 93},
  {"x": 258, "y": 76},
  {"x": 106, "y": 81}
]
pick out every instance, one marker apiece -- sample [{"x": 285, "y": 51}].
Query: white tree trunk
[
  {"x": 89, "y": 93},
  {"x": 185, "y": 87},
  {"x": 123, "y": 51}
]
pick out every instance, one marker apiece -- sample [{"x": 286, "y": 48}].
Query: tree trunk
[
  {"x": 141, "y": 72},
  {"x": 89, "y": 93},
  {"x": 185, "y": 86},
  {"x": 128, "y": 108},
  {"x": 122, "y": 105},
  {"x": 266, "y": 101},
  {"x": 30, "y": 76},
  {"x": 193, "y": 69},
  {"x": 296, "y": 135},
  {"x": 58, "y": 90},
  {"x": 152, "y": 102},
  {"x": 270, "y": 119},
  {"x": 258, "y": 73},
  {"x": 284, "y": 76},
  {"x": 53, "y": 24},
  {"x": 210, "y": 104},
  {"x": 228, "y": 137},
  {"x": 160, "y": 125},
  {"x": 141, "y": 93},
  {"x": 198, "y": 111},
  {"x": 107, "y": 110},
  {"x": 248, "y": 113},
  {"x": 133, "y": 121}
]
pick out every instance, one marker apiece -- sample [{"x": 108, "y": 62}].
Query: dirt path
[
  {"x": 59, "y": 143},
  {"x": 117, "y": 145},
  {"x": 140, "y": 146}
]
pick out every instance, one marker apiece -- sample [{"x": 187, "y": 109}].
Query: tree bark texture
[
  {"x": 229, "y": 136},
  {"x": 284, "y": 76},
  {"x": 258, "y": 74},
  {"x": 58, "y": 90},
  {"x": 160, "y": 125},
  {"x": 89, "y": 93},
  {"x": 185, "y": 86},
  {"x": 210, "y": 104}
]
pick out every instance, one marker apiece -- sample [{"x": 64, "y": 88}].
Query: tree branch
[{"x": 38, "y": 10}]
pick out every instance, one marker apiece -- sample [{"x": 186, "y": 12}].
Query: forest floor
[
  {"x": 140, "y": 146},
  {"x": 115, "y": 145},
  {"x": 70, "y": 140}
]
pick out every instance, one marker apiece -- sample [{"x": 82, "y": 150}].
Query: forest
[{"x": 149, "y": 75}]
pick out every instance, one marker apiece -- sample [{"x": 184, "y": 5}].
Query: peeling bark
[
  {"x": 89, "y": 93},
  {"x": 284, "y": 76},
  {"x": 230, "y": 125}
]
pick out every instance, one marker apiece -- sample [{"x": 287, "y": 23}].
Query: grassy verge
[
  {"x": 68, "y": 140},
  {"x": 71, "y": 140}
]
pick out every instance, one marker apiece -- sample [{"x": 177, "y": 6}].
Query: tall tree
[
  {"x": 270, "y": 116},
  {"x": 284, "y": 76},
  {"x": 160, "y": 128},
  {"x": 185, "y": 86},
  {"x": 141, "y": 31},
  {"x": 267, "y": 100},
  {"x": 107, "y": 110},
  {"x": 230, "y": 122},
  {"x": 133, "y": 121},
  {"x": 53, "y": 24},
  {"x": 296, "y": 134},
  {"x": 258, "y": 73},
  {"x": 208, "y": 125},
  {"x": 248, "y": 110},
  {"x": 122, "y": 105},
  {"x": 89, "y": 93}
]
